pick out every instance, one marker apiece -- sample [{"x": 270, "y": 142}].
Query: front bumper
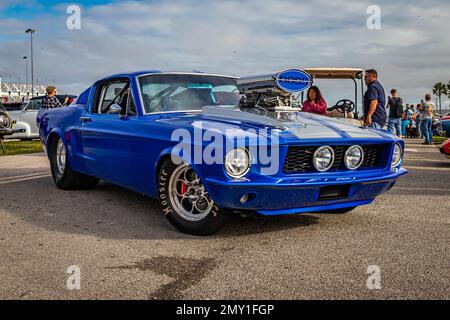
[{"x": 289, "y": 195}]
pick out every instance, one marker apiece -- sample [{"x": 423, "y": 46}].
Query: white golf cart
[{"x": 345, "y": 108}]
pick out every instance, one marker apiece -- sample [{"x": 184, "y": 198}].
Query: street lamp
[
  {"x": 26, "y": 70},
  {"x": 31, "y": 32}
]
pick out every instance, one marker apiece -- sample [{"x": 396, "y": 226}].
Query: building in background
[{"x": 14, "y": 92}]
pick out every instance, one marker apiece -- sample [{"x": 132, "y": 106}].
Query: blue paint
[{"x": 127, "y": 150}]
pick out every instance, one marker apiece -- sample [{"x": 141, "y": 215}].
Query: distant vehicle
[
  {"x": 446, "y": 116},
  {"x": 25, "y": 113},
  {"x": 6, "y": 126},
  {"x": 445, "y": 126},
  {"x": 445, "y": 148}
]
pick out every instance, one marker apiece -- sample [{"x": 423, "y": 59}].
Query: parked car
[
  {"x": 25, "y": 113},
  {"x": 445, "y": 126},
  {"x": 445, "y": 148},
  {"x": 6, "y": 126},
  {"x": 446, "y": 116},
  {"x": 126, "y": 129}
]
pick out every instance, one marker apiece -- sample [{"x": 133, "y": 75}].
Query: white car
[{"x": 25, "y": 113}]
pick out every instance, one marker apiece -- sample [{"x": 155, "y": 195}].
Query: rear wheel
[
  {"x": 185, "y": 202},
  {"x": 64, "y": 177}
]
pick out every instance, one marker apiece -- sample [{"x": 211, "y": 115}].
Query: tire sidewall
[
  {"x": 208, "y": 225},
  {"x": 58, "y": 178}
]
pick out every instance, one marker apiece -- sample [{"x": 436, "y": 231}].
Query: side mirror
[{"x": 115, "y": 109}]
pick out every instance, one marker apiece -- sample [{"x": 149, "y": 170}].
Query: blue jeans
[
  {"x": 419, "y": 127},
  {"x": 405, "y": 124},
  {"x": 395, "y": 126},
  {"x": 376, "y": 125},
  {"x": 427, "y": 130}
]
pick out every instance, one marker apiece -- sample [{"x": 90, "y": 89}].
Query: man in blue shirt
[{"x": 374, "y": 101}]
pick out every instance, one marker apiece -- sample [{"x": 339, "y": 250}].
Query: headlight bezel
[
  {"x": 400, "y": 158},
  {"x": 361, "y": 160},
  {"x": 226, "y": 163},
  {"x": 328, "y": 167}
]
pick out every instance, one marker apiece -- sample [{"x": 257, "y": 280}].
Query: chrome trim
[
  {"x": 360, "y": 161},
  {"x": 402, "y": 152},
  {"x": 245, "y": 172},
  {"x": 331, "y": 162}
]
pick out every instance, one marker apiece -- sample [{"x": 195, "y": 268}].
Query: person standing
[
  {"x": 50, "y": 101},
  {"x": 407, "y": 119},
  {"x": 374, "y": 101},
  {"x": 418, "y": 125},
  {"x": 426, "y": 119},
  {"x": 395, "y": 105}
]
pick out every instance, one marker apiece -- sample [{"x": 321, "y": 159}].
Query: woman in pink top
[{"x": 315, "y": 103}]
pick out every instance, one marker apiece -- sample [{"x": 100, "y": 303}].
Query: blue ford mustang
[{"x": 194, "y": 141}]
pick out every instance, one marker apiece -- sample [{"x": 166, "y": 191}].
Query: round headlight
[
  {"x": 237, "y": 162},
  {"x": 354, "y": 157},
  {"x": 323, "y": 158},
  {"x": 397, "y": 155}
]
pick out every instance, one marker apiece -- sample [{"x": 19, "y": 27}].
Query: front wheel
[
  {"x": 185, "y": 202},
  {"x": 63, "y": 176}
]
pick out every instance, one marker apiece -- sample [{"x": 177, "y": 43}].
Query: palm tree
[{"x": 440, "y": 89}]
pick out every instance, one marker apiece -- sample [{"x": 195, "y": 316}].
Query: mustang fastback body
[{"x": 205, "y": 145}]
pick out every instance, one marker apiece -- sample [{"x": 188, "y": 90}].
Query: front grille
[{"x": 299, "y": 159}]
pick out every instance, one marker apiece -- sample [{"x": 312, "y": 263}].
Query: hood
[{"x": 300, "y": 124}]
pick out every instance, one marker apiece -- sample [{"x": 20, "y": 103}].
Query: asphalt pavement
[{"x": 125, "y": 249}]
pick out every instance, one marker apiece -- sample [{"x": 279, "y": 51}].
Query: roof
[
  {"x": 334, "y": 73},
  {"x": 144, "y": 72}
]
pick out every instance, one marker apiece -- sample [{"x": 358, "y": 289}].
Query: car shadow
[{"x": 112, "y": 212}]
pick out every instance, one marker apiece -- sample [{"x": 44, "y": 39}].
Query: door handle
[{"x": 85, "y": 119}]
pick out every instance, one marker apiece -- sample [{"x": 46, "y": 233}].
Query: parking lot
[{"x": 126, "y": 249}]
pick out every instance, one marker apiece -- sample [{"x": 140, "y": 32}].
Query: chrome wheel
[
  {"x": 188, "y": 195},
  {"x": 61, "y": 156}
]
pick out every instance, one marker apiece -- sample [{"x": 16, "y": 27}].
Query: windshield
[{"x": 162, "y": 93}]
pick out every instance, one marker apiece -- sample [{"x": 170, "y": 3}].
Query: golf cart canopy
[{"x": 335, "y": 73}]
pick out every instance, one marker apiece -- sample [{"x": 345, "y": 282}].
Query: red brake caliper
[{"x": 183, "y": 188}]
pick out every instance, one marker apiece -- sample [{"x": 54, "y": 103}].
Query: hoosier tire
[
  {"x": 185, "y": 202},
  {"x": 63, "y": 176}
]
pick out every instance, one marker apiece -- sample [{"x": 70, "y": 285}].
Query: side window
[
  {"x": 110, "y": 92},
  {"x": 114, "y": 92},
  {"x": 34, "y": 105}
]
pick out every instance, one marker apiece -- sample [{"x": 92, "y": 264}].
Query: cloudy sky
[{"x": 411, "y": 51}]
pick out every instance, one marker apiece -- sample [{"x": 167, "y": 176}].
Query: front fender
[{"x": 21, "y": 125}]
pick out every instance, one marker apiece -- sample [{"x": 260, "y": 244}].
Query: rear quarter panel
[{"x": 57, "y": 121}]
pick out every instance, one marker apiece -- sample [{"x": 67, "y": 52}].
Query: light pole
[
  {"x": 26, "y": 70},
  {"x": 31, "y": 32}
]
